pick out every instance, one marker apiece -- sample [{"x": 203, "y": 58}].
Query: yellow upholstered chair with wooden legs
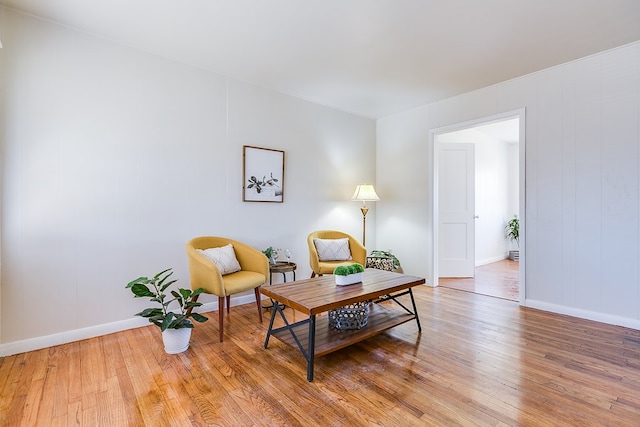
[
  {"x": 331, "y": 248},
  {"x": 224, "y": 270}
]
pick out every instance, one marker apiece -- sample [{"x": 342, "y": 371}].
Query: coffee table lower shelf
[{"x": 328, "y": 339}]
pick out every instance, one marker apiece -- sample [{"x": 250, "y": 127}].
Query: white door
[{"x": 456, "y": 239}]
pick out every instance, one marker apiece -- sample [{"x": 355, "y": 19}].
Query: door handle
[{"x": 476, "y": 216}]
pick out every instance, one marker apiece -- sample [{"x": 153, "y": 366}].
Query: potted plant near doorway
[
  {"x": 513, "y": 234},
  {"x": 175, "y": 325}
]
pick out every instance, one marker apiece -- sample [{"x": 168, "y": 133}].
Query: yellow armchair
[
  {"x": 358, "y": 252},
  {"x": 254, "y": 271}
]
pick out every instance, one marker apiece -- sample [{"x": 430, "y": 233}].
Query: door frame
[{"x": 433, "y": 133}]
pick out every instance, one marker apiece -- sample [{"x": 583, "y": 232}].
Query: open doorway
[{"x": 497, "y": 194}]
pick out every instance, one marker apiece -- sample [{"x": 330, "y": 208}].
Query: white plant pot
[
  {"x": 176, "y": 340},
  {"x": 349, "y": 279}
]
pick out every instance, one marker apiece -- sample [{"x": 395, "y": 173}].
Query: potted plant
[
  {"x": 513, "y": 234},
  {"x": 379, "y": 260},
  {"x": 272, "y": 254},
  {"x": 175, "y": 326},
  {"x": 348, "y": 274}
]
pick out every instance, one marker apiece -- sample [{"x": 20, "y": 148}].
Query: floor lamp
[{"x": 364, "y": 193}]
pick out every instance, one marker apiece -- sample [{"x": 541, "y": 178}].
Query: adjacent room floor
[{"x": 498, "y": 279}]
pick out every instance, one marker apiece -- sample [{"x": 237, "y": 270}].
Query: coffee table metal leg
[
  {"x": 311, "y": 347},
  {"x": 273, "y": 316},
  {"x": 394, "y": 298},
  {"x": 415, "y": 310}
]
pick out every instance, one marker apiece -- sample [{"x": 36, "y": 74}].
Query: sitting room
[{"x": 138, "y": 135}]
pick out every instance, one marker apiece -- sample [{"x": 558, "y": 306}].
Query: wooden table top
[
  {"x": 320, "y": 294},
  {"x": 282, "y": 267}
]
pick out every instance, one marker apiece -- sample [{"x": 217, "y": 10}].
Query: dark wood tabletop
[{"x": 320, "y": 294}]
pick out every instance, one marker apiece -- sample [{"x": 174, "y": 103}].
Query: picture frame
[{"x": 262, "y": 174}]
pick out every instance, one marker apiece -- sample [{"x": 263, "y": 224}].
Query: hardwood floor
[
  {"x": 498, "y": 279},
  {"x": 479, "y": 361}
]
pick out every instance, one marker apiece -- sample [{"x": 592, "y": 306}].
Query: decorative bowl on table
[
  {"x": 348, "y": 274},
  {"x": 349, "y": 279},
  {"x": 352, "y": 316}
]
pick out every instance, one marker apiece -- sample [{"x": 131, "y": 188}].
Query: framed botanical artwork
[{"x": 262, "y": 174}]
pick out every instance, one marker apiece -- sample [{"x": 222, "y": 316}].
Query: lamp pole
[{"x": 364, "y": 210}]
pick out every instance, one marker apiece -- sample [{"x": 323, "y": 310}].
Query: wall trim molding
[
  {"x": 38, "y": 343},
  {"x": 609, "y": 319},
  {"x": 480, "y": 263}
]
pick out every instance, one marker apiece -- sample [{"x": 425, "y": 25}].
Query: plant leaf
[
  {"x": 140, "y": 290},
  {"x": 143, "y": 280},
  {"x": 161, "y": 273},
  {"x": 149, "y": 312},
  {"x": 167, "y": 321},
  {"x": 166, "y": 285},
  {"x": 199, "y": 318}
]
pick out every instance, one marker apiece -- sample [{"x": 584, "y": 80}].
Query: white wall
[
  {"x": 582, "y": 182},
  {"x": 513, "y": 174},
  {"x": 113, "y": 158},
  {"x": 492, "y": 192}
]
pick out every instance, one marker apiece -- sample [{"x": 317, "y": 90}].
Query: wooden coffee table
[{"x": 315, "y": 337}]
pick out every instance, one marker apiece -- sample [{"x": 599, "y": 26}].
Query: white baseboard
[
  {"x": 37, "y": 343},
  {"x": 583, "y": 314},
  {"x": 490, "y": 260}
]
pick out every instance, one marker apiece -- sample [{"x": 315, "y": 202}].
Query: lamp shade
[{"x": 365, "y": 193}]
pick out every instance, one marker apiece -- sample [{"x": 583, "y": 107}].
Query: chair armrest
[
  {"x": 314, "y": 258},
  {"x": 204, "y": 273},
  {"x": 251, "y": 259},
  {"x": 358, "y": 252}
]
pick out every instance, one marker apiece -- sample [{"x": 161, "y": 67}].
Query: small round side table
[
  {"x": 284, "y": 268},
  {"x": 279, "y": 267}
]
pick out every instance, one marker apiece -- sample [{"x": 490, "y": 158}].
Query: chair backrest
[
  {"x": 248, "y": 257},
  {"x": 358, "y": 252},
  {"x": 206, "y": 242}
]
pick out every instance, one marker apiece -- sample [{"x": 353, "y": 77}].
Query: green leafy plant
[
  {"x": 386, "y": 254},
  {"x": 258, "y": 184},
  {"x": 345, "y": 270},
  {"x": 268, "y": 252},
  {"x": 341, "y": 270},
  {"x": 513, "y": 230},
  {"x": 155, "y": 288},
  {"x": 272, "y": 254}
]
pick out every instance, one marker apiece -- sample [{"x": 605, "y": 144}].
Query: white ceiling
[{"x": 369, "y": 57}]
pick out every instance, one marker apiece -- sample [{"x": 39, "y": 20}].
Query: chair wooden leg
[
  {"x": 313, "y": 274},
  {"x": 258, "y": 303},
  {"x": 194, "y": 299},
  {"x": 221, "y": 317},
  {"x": 228, "y": 303}
]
